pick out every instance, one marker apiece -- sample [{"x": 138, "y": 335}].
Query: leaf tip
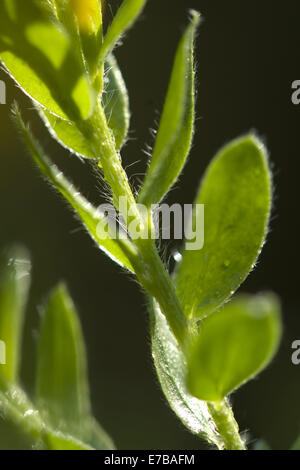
[{"x": 195, "y": 17}]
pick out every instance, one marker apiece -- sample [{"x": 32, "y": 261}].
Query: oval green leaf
[
  {"x": 236, "y": 193},
  {"x": 175, "y": 131},
  {"x": 233, "y": 346}
]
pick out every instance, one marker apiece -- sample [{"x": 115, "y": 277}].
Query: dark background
[{"x": 247, "y": 58}]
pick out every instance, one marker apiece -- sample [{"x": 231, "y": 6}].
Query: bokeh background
[{"x": 247, "y": 58}]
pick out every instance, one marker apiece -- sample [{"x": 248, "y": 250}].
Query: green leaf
[
  {"x": 41, "y": 59},
  {"x": 116, "y": 106},
  {"x": 115, "y": 248},
  {"x": 171, "y": 366},
  {"x": 14, "y": 285},
  {"x": 233, "y": 346},
  {"x": 236, "y": 193},
  {"x": 175, "y": 131},
  {"x": 115, "y": 102},
  {"x": 67, "y": 134},
  {"x": 62, "y": 384},
  {"x": 127, "y": 14}
]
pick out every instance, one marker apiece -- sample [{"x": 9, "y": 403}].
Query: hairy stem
[
  {"x": 226, "y": 424},
  {"x": 149, "y": 268},
  {"x": 103, "y": 144},
  {"x": 154, "y": 277}
]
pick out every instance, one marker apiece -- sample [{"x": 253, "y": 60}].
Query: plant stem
[
  {"x": 148, "y": 266},
  {"x": 100, "y": 135},
  {"x": 226, "y": 424},
  {"x": 154, "y": 277}
]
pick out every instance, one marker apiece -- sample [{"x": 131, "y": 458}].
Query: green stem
[
  {"x": 154, "y": 277},
  {"x": 149, "y": 268},
  {"x": 226, "y": 424},
  {"x": 99, "y": 134}
]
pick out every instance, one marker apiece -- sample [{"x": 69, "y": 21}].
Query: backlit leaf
[
  {"x": 234, "y": 345},
  {"x": 127, "y": 14},
  {"x": 175, "y": 130},
  {"x": 236, "y": 193},
  {"x": 115, "y": 102}
]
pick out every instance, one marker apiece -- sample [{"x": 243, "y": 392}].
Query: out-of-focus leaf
[
  {"x": 62, "y": 383},
  {"x": 296, "y": 445},
  {"x": 89, "y": 215},
  {"x": 175, "y": 131},
  {"x": 261, "y": 445},
  {"x": 115, "y": 102},
  {"x": 87, "y": 13},
  {"x": 127, "y": 14},
  {"x": 40, "y": 58},
  {"x": 236, "y": 193},
  {"x": 60, "y": 441},
  {"x": 16, "y": 407},
  {"x": 170, "y": 366},
  {"x": 14, "y": 285},
  {"x": 233, "y": 346}
]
